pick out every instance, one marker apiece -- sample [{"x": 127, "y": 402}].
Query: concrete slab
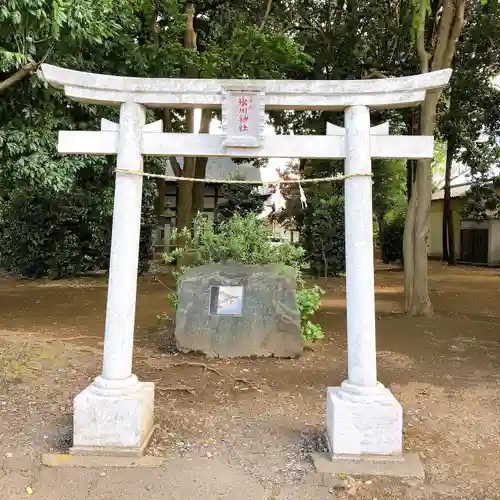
[
  {"x": 95, "y": 461},
  {"x": 407, "y": 465},
  {"x": 179, "y": 479}
]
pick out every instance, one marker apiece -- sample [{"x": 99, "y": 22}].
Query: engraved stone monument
[{"x": 231, "y": 310}]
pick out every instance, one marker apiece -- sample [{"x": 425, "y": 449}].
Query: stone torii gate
[{"x": 115, "y": 413}]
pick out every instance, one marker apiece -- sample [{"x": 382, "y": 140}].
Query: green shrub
[
  {"x": 391, "y": 232},
  {"x": 62, "y": 235},
  {"x": 309, "y": 301},
  {"x": 245, "y": 239},
  {"x": 322, "y": 234},
  {"x": 482, "y": 201}
]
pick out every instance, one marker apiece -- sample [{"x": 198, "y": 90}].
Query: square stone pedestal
[
  {"x": 113, "y": 421},
  {"x": 364, "y": 424}
]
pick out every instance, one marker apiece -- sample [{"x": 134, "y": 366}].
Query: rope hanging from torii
[
  {"x": 278, "y": 199},
  {"x": 243, "y": 181}
]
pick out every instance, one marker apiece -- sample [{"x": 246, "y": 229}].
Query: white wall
[
  {"x": 435, "y": 235},
  {"x": 494, "y": 243}
]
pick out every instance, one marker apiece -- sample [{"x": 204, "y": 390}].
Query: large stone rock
[{"x": 260, "y": 318}]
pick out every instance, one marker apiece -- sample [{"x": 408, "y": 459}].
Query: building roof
[{"x": 456, "y": 191}]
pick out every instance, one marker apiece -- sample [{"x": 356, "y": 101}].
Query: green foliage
[
  {"x": 241, "y": 199},
  {"x": 470, "y": 121},
  {"x": 45, "y": 233},
  {"x": 140, "y": 38},
  {"x": 244, "y": 239},
  {"x": 308, "y": 302},
  {"x": 56, "y": 209},
  {"x": 482, "y": 201},
  {"x": 391, "y": 230},
  {"x": 389, "y": 187},
  {"x": 322, "y": 234},
  {"x": 32, "y": 29}
]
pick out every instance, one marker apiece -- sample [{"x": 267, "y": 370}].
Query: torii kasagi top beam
[
  {"x": 279, "y": 94},
  {"x": 265, "y": 95}
]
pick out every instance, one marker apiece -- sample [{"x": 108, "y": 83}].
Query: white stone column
[
  {"x": 360, "y": 288},
  {"x": 362, "y": 416},
  {"x": 114, "y": 415},
  {"x": 122, "y": 287}
]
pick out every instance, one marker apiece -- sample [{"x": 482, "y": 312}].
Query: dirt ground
[{"x": 251, "y": 424}]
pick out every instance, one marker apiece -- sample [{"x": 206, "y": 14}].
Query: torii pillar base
[
  {"x": 363, "y": 421},
  {"x": 114, "y": 421}
]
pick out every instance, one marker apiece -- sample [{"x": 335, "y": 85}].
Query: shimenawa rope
[{"x": 241, "y": 181}]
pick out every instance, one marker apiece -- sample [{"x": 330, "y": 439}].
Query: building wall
[
  {"x": 435, "y": 235},
  {"x": 211, "y": 202},
  {"x": 493, "y": 228},
  {"x": 494, "y": 243},
  {"x": 285, "y": 234}
]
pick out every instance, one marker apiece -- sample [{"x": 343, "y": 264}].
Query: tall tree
[{"x": 437, "y": 29}]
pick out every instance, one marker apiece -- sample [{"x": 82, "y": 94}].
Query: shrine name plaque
[{"x": 243, "y": 117}]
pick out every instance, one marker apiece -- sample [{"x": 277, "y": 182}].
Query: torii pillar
[{"x": 115, "y": 413}]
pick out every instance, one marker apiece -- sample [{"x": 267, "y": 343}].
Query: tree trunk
[
  {"x": 448, "y": 234},
  {"x": 444, "y": 230},
  {"x": 185, "y": 200},
  {"x": 420, "y": 303},
  {"x": 412, "y": 127},
  {"x": 201, "y": 167},
  {"x": 409, "y": 177},
  {"x": 415, "y": 236},
  {"x": 452, "y": 261}
]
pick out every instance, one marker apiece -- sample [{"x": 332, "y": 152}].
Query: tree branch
[
  {"x": 443, "y": 34},
  {"x": 27, "y": 69},
  {"x": 456, "y": 29},
  {"x": 266, "y": 14},
  {"x": 422, "y": 53},
  {"x": 166, "y": 115},
  {"x": 375, "y": 73},
  {"x": 154, "y": 28},
  {"x": 315, "y": 26}
]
